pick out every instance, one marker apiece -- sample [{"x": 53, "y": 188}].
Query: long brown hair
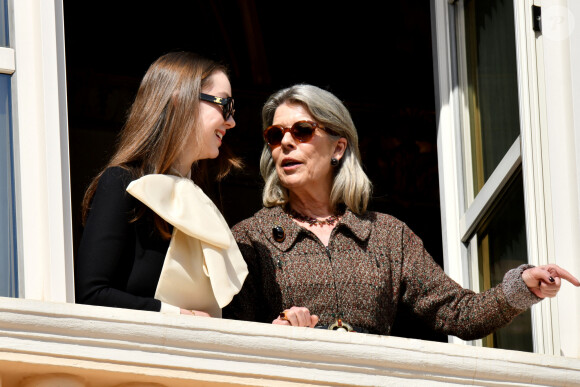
[{"x": 165, "y": 112}]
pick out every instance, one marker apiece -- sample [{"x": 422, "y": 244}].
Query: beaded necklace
[{"x": 331, "y": 220}]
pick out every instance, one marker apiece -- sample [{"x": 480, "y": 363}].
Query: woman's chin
[
  {"x": 292, "y": 183},
  {"x": 211, "y": 155}
]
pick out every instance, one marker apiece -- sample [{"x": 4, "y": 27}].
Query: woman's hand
[
  {"x": 545, "y": 281},
  {"x": 297, "y": 317},
  {"x": 194, "y": 312}
]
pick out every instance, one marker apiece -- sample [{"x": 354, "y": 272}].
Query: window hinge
[{"x": 537, "y": 18}]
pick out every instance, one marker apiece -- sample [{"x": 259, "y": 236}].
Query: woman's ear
[{"x": 340, "y": 148}]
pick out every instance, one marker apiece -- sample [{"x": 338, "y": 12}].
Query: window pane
[
  {"x": 4, "y": 42},
  {"x": 7, "y": 219},
  {"x": 492, "y": 83},
  {"x": 501, "y": 247}
]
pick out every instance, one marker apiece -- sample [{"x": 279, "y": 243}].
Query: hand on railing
[
  {"x": 297, "y": 316},
  {"x": 194, "y": 312}
]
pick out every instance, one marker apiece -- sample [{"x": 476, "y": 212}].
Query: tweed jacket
[{"x": 372, "y": 264}]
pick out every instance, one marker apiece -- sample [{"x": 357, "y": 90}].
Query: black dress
[{"x": 119, "y": 261}]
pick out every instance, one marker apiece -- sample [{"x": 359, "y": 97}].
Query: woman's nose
[
  {"x": 230, "y": 122},
  {"x": 288, "y": 140}
]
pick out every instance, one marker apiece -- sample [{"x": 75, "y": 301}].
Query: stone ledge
[{"x": 107, "y": 346}]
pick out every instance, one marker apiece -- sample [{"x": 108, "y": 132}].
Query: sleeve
[
  {"x": 105, "y": 248},
  {"x": 451, "y": 309},
  {"x": 247, "y": 303}
]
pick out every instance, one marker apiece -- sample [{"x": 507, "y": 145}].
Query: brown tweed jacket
[{"x": 372, "y": 263}]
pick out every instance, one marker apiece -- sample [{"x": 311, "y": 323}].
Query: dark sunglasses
[
  {"x": 301, "y": 131},
  {"x": 227, "y": 104}
]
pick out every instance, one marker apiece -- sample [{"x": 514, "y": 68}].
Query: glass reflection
[
  {"x": 8, "y": 284},
  {"x": 492, "y": 84},
  {"x": 4, "y": 26},
  {"x": 501, "y": 247}
]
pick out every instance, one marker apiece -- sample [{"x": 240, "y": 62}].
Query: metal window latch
[{"x": 537, "y": 18}]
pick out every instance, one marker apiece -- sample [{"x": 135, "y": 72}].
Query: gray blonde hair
[{"x": 351, "y": 186}]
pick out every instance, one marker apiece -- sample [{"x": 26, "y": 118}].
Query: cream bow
[{"x": 203, "y": 268}]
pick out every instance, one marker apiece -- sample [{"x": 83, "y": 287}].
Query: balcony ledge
[{"x": 109, "y": 347}]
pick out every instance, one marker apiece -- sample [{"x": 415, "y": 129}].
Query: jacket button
[{"x": 278, "y": 234}]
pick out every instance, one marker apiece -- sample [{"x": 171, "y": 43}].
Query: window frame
[
  {"x": 7, "y": 62},
  {"x": 461, "y": 211},
  {"x": 41, "y": 161}
]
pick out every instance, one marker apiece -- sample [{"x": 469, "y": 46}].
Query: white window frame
[
  {"x": 535, "y": 170},
  {"x": 7, "y": 65},
  {"x": 559, "y": 74},
  {"x": 41, "y": 161},
  {"x": 529, "y": 150}
]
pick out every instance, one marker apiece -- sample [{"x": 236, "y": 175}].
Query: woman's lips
[
  {"x": 220, "y": 135},
  {"x": 290, "y": 163}
]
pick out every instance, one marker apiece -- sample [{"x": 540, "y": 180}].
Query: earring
[{"x": 333, "y": 162}]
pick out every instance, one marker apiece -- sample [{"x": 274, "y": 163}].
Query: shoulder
[
  {"x": 255, "y": 222},
  {"x": 380, "y": 222},
  {"x": 114, "y": 180},
  {"x": 111, "y": 206},
  {"x": 111, "y": 188},
  {"x": 389, "y": 222},
  {"x": 116, "y": 175},
  {"x": 383, "y": 228},
  {"x": 397, "y": 234}
]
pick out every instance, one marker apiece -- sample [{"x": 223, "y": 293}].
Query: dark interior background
[{"x": 376, "y": 57}]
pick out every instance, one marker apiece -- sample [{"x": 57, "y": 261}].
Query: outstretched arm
[{"x": 450, "y": 309}]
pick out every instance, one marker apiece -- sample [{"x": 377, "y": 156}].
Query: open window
[
  {"x": 493, "y": 224},
  {"x": 267, "y": 46},
  {"x": 493, "y": 154}
]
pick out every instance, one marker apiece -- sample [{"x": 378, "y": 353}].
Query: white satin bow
[{"x": 203, "y": 268}]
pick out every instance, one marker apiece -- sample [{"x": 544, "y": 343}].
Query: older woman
[{"x": 316, "y": 257}]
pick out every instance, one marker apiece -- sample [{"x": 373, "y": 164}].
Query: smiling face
[
  {"x": 304, "y": 167},
  {"x": 212, "y": 126}
]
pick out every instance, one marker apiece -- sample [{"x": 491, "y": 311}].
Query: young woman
[{"x": 152, "y": 239}]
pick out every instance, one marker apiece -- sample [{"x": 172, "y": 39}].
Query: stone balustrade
[{"x": 45, "y": 344}]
